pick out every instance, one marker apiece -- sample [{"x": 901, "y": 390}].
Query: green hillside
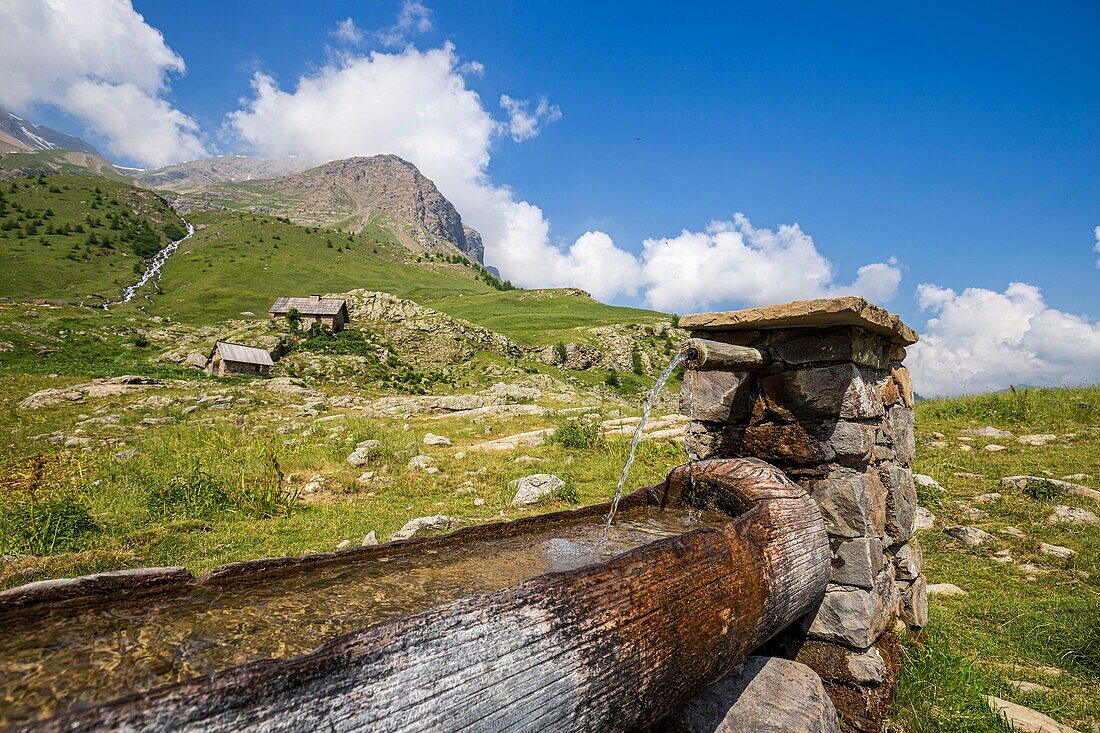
[
  {"x": 81, "y": 239},
  {"x": 73, "y": 237}
]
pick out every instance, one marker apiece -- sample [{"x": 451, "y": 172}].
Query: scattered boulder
[
  {"x": 370, "y": 539},
  {"x": 971, "y": 536},
  {"x": 1033, "y": 484},
  {"x": 424, "y": 463},
  {"x": 988, "y": 498},
  {"x": 766, "y": 694},
  {"x": 289, "y": 386},
  {"x": 936, "y": 445},
  {"x": 1025, "y": 719},
  {"x": 532, "y": 489},
  {"x": 1027, "y": 687},
  {"x": 343, "y": 545},
  {"x": 1072, "y": 515},
  {"x": 362, "y": 453},
  {"x": 125, "y": 455},
  {"x": 946, "y": 589},
  {"x": 433, "y": 439},
  {"x": 196, "y": 359},
  {"x": 1056, "y": 550},
  {"x": 529, "y": 439},
  {"x": 994, "y": 448},
  {"x": 927, "y": 482},
  {"x": 988, "y": 432},
  {"x": 411, "y": 527},
  {"x": 923, "y": 519},
  {"x": 1012, "y": 532},
  {"x": 1038, "y": 439}
]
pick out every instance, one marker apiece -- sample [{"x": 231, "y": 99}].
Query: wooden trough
[{"x": 613, "y": 646}]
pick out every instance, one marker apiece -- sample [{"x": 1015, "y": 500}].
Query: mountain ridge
[{"x": 20, "y": 135}]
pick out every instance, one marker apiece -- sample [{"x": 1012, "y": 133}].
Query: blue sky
[
  {"x": 964, "y": 141},
  {"x": 961, "y": 140}
]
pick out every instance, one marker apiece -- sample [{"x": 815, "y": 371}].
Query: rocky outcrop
[
  {"x": 423, "y": 335},
  {"x": 355, "y": 192}
]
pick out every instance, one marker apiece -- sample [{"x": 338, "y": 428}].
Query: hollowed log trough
[{"x": 614, "y": 646}]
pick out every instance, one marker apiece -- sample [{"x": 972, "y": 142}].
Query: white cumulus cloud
[
  {"x": 524, "y": 122},
  {"x": 413, "y": 19},
  {"x": 86, "y": 55},
  {"x": 733, "y": 262},
  {"x": 981, "y": 340},
  {"x": 347, "y": 31}
]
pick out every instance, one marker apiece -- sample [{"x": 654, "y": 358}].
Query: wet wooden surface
[{"x": 608, "y": 647}]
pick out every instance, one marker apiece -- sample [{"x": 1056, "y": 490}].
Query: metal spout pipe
[{"x": 718, "y": 356}]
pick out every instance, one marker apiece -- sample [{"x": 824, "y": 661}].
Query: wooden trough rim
[
  {"x": 611, "y": 646},
  {"x": 142, "y": 583}
]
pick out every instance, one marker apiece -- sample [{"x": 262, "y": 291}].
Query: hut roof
[
  {"x": 314, "y": 305},
  {"x": 243, "y": 354}
]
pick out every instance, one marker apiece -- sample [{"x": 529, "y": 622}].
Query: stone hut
[
  {"x": 331, "y": 313},
  {"x": 832, "y": 406},
  {"x": 227, "y": 359}
]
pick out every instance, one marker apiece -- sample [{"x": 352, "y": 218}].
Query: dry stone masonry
[{"x": 832, "y": 406}]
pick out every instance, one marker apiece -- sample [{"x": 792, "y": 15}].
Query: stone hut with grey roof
[
  {"x": 227, "y": 359},
  {"x": 330, "y": 313}
]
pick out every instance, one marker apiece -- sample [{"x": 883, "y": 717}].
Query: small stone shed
[
  {"x": 228, "y": 358},
  {"x": 331, "y": 313}
]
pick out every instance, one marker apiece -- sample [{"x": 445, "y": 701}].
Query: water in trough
[{"x": 56, "y": 660}]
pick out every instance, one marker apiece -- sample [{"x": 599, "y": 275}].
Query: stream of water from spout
[{"x": 657, "y": 387}]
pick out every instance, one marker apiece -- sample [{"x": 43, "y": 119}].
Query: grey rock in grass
[
  {"x": 766, "y": 695},
  {"x": 994, "y": 448},
  {"x": 371, "y": 538},
  {"x": 532, "y": 489},
  {"x": 1025, "y": 719},
  {"x": 423, "y": 463},
  {"x": 1012, "y": 532},
  {"x": 923, "y": 519},
  {"x": 1072, "y": 515},
  {"x": 971, "y": 536},
  {"x": 1036, "y": 439},
  {"x": 927, "y": 482},
  {"x": 433, "y": 439},
  {"x": 1028, "y": 687},
  {"x": 988, "y": 432},
  {"x": 1056, "y": 550},
  {"x": 125, "y": 455},
  {"x": 988, "y": 498},
  {"x": 411, "y": 527},
  {"x": 946, "y": 589},
  {"x": 362, "y": 453}
]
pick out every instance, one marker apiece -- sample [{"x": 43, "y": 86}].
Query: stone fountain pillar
[{"x": 832, "y": 405}]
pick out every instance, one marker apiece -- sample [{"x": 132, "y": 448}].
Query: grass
[
  {"x": 540, "y": 317},
  {"x": 1042, "y": 627},
  {"x": 176, "y": 502}
]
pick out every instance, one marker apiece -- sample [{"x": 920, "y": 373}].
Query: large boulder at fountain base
[{"x": 766, "y": 695}]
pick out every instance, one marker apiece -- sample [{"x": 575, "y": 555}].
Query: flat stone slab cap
[{"x": 851, "y": 310}]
